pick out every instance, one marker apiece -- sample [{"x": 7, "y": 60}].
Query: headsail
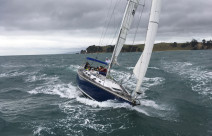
[
  {"x": 125, "y": 26},
  {"x": 143, "y": 62}
]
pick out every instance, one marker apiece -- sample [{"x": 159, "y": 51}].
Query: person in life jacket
[
  {"x": 87, "y": 66},
  {"x": 102, "y": 71},
  {"x": 107, "y": 61}
]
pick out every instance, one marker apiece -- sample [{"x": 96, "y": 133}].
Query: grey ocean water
[{"x": 39, "y": 96}]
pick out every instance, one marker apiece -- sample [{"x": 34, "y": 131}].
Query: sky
[{"x": 62, "y": 26}]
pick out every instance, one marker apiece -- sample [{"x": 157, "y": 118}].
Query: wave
[
  {"x": 34, "y": 78},
  {"x": 200, "y": 79},
  {"x": 89, "y": 115},
  {"x": 81, "y": 117},
  {"x": 39, "y": 129},
  {"x": 147, "y": 107},
  {"x": 128, "y": 80},
  {"x": 130, "y": 68},
  {"x": 13, "y": 74},
  {"x": 153, "y": 68},
  {"x": 109, "y": 104},
  {"x": 116, "y": 105},
  {"x": 12, "y": 66},
  {"x": 74, "y": 67},
  {"x": 61, "y": 89},
  {"x": 54, "y": 86},
  {"x": 70, "y": 91}
]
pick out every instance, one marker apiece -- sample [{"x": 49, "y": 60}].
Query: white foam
[
  {"x": 150, "y": 103},
  {"x": 74, "y": 67},
  {"x": 110, "y": 104},
  {"x": 200, "y": 79},
  {"x": 209, "y": 74},
  {"x": 12, "y": 66},
  {"x": 129, "y": 81},
  {"x": 153, "y": 68},
  {"x": 39, "y": 129},
  {"x": 89, "y": 117},
  {"x": 63, "y": 90},
  {"x": 149, "y": 82},
  {"x": 13, "y": 74},
  {"x": 34, "y": 78},
  {"x": 130, "y": 68},
  {"x": 85, "y": 117}
]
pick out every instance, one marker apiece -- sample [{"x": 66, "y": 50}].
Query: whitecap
[
  {"x": 109, "y": 104},
  {"x": 60, "y": 89},
  {"x": 74, "y": 67},
  {"x": 38, "y": 129},
  {"x": 150, "y": 103},
  {"x": 129, "y": 68},
  {"x": 153, "y": 68},
  {"x": 129, "y": 81},
  {"x": 200, "y": 79},
  {"x": 13, "y": 74},
  {"x": 34, "y": 78}
]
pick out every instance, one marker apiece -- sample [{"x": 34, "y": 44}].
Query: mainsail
[
  {"x": 143, "y": 62},
  {"x": 125, "y": 26}
]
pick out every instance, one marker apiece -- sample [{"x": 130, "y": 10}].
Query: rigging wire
[
  {"x": 133, "y": 22},
  {"x": 143, "y": 5},
  {"x": 105, "y": 23},
  {"x": 117, "y": 28},
  {"x": 141, "y": 13},
  {"x": 104, "y": 26},
  {"x": 109, "y": 21}
]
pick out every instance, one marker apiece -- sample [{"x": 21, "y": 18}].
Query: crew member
[{"x": 107, "y": 61}]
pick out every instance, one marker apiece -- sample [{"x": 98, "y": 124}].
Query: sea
[{"x": 39, "y": 96}]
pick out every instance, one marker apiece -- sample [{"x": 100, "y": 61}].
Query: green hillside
[{"x": 193, "y": 45}]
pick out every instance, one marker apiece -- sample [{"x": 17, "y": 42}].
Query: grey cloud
[{"x": 177, "y": 18}]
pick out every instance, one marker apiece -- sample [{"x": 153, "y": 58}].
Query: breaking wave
[
  {"x": 63, "y": 90},
  {"x": 54, "y": 86},
  {"x": 74, "y": 67},
  {"x": 129, "y": 81},
  {"x": 200, "y": 79},
  {"x": 130, "y": 68},
  {"x": 43, "y": 77},
  {"x": 13, "y": 74},
  {"x": 110, "y": 104}
]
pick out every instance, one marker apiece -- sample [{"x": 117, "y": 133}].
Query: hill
[{"x": 193, "y": 45}]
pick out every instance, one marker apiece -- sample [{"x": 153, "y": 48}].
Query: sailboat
[{"x": 101, "y": 87}]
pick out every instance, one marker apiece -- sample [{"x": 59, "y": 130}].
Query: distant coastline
[{"x": 193, "y": 45}]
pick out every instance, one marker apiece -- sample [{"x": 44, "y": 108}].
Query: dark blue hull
[{"x": 97, "y": 92}]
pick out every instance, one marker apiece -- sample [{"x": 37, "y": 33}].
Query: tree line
[{"x": 192, "y": 45}]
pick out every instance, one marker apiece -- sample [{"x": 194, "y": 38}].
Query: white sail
[
  {"x": 125, "y": 26},
  {"x": 143, "y": 62}
]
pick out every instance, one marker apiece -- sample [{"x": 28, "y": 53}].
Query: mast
[
  {"x": 143, "y": 62},
  {"x": 125, "y": 26}
]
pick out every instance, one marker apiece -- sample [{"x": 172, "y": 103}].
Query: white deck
[{"x": 102, "y": 80}]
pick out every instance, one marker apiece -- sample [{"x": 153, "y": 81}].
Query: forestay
[{"x": 143, "y": 62}]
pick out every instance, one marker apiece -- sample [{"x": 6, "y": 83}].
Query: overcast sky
[{"x": 60, "y": 26}]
